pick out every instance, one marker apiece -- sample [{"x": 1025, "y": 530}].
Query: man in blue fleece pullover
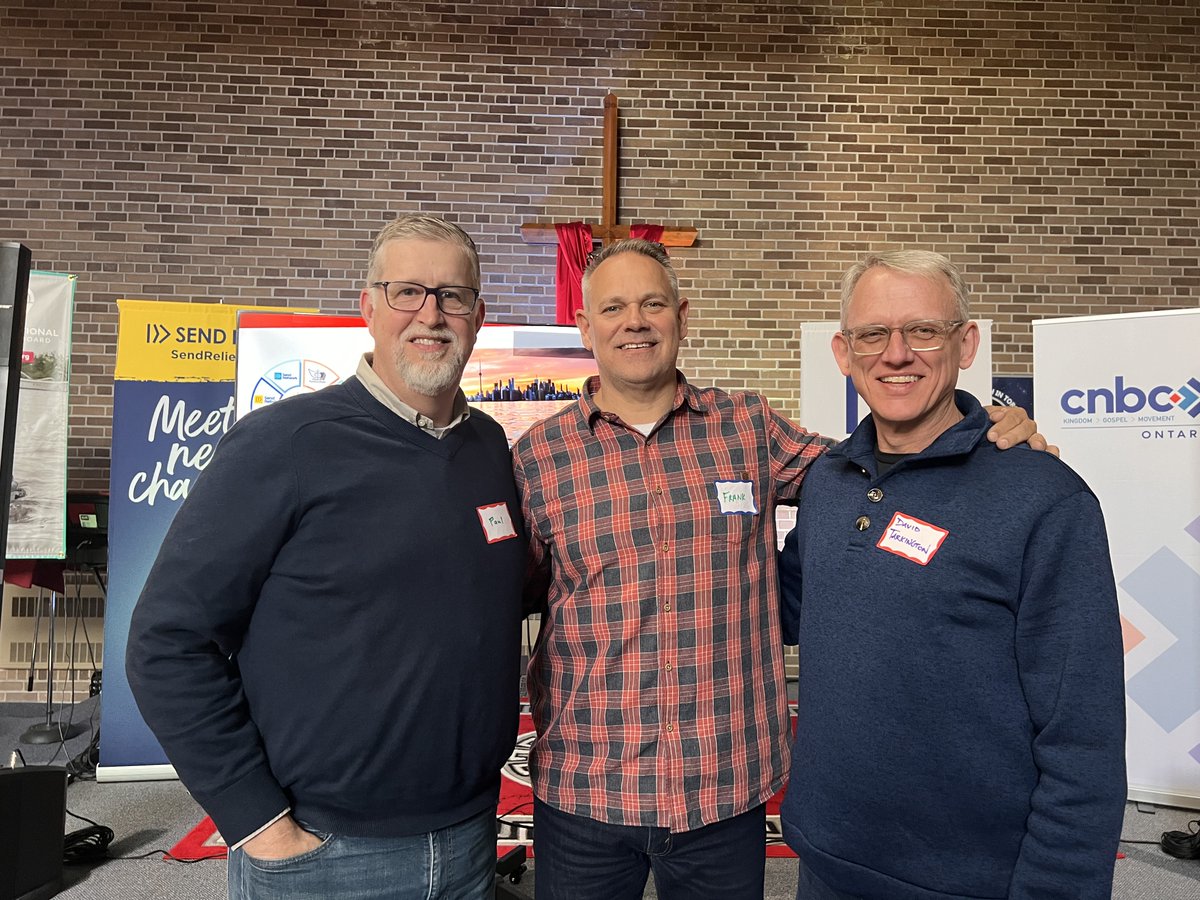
[
  {"x": 961, "y": 696},
  {"x": 327, "y": 644}
]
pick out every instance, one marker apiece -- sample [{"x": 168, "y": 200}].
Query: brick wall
[{"x": 222, "y": 152}]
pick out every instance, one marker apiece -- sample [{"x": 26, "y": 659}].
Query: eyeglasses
[
  {"x": 408, "y": 296},
  {"x": 920, "y": 336}
]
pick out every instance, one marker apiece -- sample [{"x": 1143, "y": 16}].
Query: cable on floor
[
  {"x": 1180, "y": 844},
  {"x": 1183, "y": 844},
  {"x": 86, "y": 844},
  {"x": 91, "y": 845}
]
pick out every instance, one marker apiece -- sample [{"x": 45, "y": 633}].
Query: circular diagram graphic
[{"x": 296, "y": 376}]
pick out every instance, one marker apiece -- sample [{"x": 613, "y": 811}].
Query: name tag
[
  {"x": 496, "y": 521},
  {"x": 911, "y": 538},
  {"x": 736, "y": 497}
]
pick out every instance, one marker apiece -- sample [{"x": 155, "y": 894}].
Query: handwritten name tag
[
  {"x": 736, "y": 497},
  {"x": 497, "y": 523},
  {"x": 911, "y": 538}
]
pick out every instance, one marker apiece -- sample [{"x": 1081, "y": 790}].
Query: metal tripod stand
[{"x": 48, "y": 732}]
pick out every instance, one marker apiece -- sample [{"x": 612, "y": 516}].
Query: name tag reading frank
[
  {"x": 736, "y": 497},
  {"x": 496, "y": 521},
  {"x": 911, "y": 538}
]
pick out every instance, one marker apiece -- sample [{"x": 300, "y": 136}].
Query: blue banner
[
  {"x": 172, "y": 402},
  {"x": 163, "y": 436}
]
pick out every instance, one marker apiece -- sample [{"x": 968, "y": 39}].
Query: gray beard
[{"x": 429, "y": 379}]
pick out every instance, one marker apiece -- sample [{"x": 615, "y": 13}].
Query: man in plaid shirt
[{"x": 657, "y": 685}]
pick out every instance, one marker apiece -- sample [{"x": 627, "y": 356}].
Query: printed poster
[
  {"x": 37, "y": 507},
  {"x": 286, "y": 354},
  {"x": 1121, "y": 396},
  {"x": 172, "y": 402},
  {"x": 517, "y": 374}
]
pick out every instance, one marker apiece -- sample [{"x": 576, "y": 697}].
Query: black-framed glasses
[
  {"x": 408, "y": 296},
  {"x": 921, "y": 336}
]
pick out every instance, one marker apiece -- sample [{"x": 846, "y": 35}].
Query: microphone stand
[{"x": 50, "y": 732}]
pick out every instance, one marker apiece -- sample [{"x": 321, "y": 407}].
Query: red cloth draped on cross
[{"x": 574, "y": 247}]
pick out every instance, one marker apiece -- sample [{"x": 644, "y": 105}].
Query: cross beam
[{"x": 609, "y": 228}]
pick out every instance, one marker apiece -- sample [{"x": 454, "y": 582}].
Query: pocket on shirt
[{"x": 733, "y": 528}]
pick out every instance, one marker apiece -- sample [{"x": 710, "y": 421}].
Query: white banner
[
  {"x": 284, "y": 354},
  {"x": 829, "y": 405},
  {"x": 1121, "y": 396},
  {"x": 38, "y": 505},
  {"x": 517, "y": 374}
]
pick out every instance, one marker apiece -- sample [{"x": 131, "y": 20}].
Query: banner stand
[
  {"x": 1121, "y": 396},
  {"x": 172, "y": 402}
]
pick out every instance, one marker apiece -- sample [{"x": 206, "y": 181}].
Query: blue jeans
[
  {"x": 577, "y": 858},
  {"x": 455, "y": 863}
]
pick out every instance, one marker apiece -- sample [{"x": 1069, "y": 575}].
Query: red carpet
[{"x": 514, "y": 812}]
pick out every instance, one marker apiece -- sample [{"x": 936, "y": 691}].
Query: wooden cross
[{"x": 608, "y": 230}]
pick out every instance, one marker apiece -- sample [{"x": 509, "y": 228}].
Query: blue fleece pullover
[{"x": 961, "y": 711}]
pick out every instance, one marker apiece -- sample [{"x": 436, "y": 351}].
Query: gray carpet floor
[{"x": 152, "y": 816}]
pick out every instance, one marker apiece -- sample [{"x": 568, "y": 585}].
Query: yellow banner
[{"x": 159, "y": 340}]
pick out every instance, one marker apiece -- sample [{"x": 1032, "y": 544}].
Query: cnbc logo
[
  {"x": 1155, "y": 411},
  {"x": 1187, "y": 397}
]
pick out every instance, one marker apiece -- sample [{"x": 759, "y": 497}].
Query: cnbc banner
[
  {"x": 1121, "y": 396},
  {"x": 172, "y": 402}
]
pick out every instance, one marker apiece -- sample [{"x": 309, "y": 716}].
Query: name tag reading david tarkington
[{"x": 912, "y": 538}]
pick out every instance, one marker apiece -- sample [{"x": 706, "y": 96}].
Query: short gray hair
[
  {"x": 913, "y": 262},
  {"x": 632, "y": 245},
  {"x": 423, "y": 227}
]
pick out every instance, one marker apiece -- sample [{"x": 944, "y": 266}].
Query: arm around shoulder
[{"x": 790, "y": 586}]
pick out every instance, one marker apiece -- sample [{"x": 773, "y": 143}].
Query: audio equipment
[{"x": 33, "y": 805}]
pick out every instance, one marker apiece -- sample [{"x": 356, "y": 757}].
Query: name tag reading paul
[
  {"x": 496, "y": 521},
  {"x": 912, "y": 538},
  {"x": 736, "y": 497}
]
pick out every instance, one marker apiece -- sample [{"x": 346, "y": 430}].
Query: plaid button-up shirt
[{"x": 657, "y": 684}]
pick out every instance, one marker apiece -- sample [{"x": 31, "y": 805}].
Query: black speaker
[
  {"x": 33, "y": 809},
  {"x": 15, "y": 260}
]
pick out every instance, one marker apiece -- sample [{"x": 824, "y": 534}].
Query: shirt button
[
  {"x": 667, "y": 607},
  {"x": 668, "y": 667},
  {"x": 862, "y": 523},
  {"x": 665, "y": 546},
  {"x": 670, "y": 728},
  {"x": 658, "y": 491},
  {"x": 874, "y": 495}
]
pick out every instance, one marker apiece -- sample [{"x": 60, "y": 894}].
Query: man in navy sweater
[
  {"x": 327, "y": 645},
  {"x": 961, "y": 699}
]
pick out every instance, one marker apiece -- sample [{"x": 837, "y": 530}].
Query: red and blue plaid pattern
[{"x": 657, "y": 685}]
